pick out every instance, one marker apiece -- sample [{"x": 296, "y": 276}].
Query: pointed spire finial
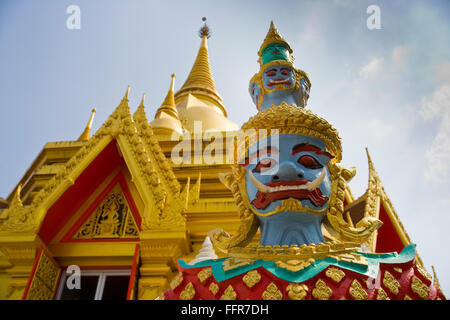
[
  {"x": 127, "y": 93},
  {"x": 139, "y": 114},
  {"x": 142, "y": 100},
  {"x": 204, "y": 31},
  {"x": 373, "y": 174},
  {"x": 168, "y": 105},
  {"x": 369, "y": 159},
  {"x": 274, "y": 36},
  {"x": 86, "y": 133},
  {"x": 172, "y": 83},
  {"x": 200, "y": 81}
]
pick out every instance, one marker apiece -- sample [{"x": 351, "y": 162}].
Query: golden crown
[
  {"x": 291, "y": 119},
  {"x": 273, "y": 36}
]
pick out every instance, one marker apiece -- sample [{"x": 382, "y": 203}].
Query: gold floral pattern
[
  {"x": 335, "y": 274},
  {"x": 357, "y": 292},
  {"x": 188, "y": 293},
  {"x": 176, "y": 281},
  {"x": 390, "y": 282},
  {"x": 204, "y": 274},
  {"x": 229, "y": 294},
  {"x": 297, "y": 291},
  {"x": 419, "y": 288},
  {"x": 214, "y": 288},
  {"x": 382, "y": 295},
  {"x": 251, "y": 278},
  {"x": 272, "y": 292},
  {"x": 45, "y": 279},
  {"x": 322, "y": 291}
]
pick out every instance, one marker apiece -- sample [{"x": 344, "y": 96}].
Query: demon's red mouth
[
  {"x": 278, "y": 82},
  {"x": 264, "y": 199}
]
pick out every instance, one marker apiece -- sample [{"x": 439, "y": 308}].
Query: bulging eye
[
  {"x": 309, "y": 162},
  {"x": 271, "y": 73},
  {"x": 264, "y": 165}
]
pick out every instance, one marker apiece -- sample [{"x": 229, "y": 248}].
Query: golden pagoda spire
[
  {"x": 200, "y": 80},
  {"x": 166, "y": 118},
  {"x": 86, "y": 133},
  {"x": 168, "y": 105}
]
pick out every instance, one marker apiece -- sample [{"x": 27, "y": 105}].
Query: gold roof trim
[
  {"x": 141, "y": 157},
  {"x": 17, "y": 217},
  {"x": 158, "y": 158}
]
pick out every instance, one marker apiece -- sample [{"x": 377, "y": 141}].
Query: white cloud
[
  {"x": 372, "y": 68},
  {"x": 438, "y": 154},
  {"x": 380, "y": 129},
  {"x": 400, "y": 55},
  {"x": 439, "y": 104}
]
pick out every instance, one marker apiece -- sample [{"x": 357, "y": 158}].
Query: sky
[{"x": 386, "y": 89}]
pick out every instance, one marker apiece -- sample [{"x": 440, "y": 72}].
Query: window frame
[{"x": 102, "y": 275}]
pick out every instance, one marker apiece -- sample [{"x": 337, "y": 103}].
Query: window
[{"x": 96, "y": 285}]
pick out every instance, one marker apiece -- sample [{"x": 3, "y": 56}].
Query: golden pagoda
[{"x": 116, "y": 207}]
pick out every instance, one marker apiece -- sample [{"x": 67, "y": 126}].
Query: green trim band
[{"x": 370, "y": 270}]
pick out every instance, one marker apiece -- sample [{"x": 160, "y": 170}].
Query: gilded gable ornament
[
  {"x": 112, "y": 219},
  {"x": 45, "y": 279},
  {"x": 17, "y": 217}
]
